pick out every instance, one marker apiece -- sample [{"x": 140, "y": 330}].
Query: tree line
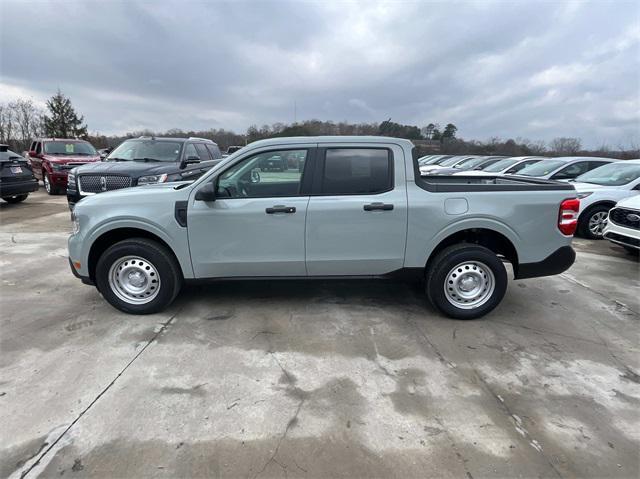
[{"x": 22, "y": 120}]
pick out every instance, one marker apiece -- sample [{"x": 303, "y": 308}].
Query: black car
[
  {"x": 16, "y": 177},
  {"x": 143, "y": 161}
]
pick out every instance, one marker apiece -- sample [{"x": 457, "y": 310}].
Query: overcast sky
[{"x": 510, "y": 69}]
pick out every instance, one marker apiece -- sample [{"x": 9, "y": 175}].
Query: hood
[
  {"x": 632, "y": 202},
  {"x": 583, "y": 187},
  {"x": 137, "y": 194},
  {"x": 63, "y": 160},
  {"x": 130, "y": 168}
]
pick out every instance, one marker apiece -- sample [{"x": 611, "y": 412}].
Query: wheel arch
[
  {"x": 608, "y": 203},
  {"x": 491, "y": 239},
  {"x": 113, "y": 236}
]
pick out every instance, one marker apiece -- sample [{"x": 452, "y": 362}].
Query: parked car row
[{"x": 600, "y": 182}]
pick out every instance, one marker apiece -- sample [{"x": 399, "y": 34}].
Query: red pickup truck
[{"x": 51, "y": 160}]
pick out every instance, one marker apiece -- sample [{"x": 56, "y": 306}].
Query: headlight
[
  {"x": 584, "y": 195},
  {"x": 56, "y": 166},
  {"x": 71, "y": 179},
  {"x": 148, "y": 180},
  {"x": 75, "y": 224}
]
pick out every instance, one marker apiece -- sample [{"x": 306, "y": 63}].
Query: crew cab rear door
[
  {"x": 357, "y": 214},
  {"x": 255, "y": 226}
]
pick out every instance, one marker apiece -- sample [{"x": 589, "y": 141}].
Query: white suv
[
  {"x": 623, "y": 226},
  {"x": 600, "y": 189}
]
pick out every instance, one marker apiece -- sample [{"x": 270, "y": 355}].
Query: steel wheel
[
  {"x": 597, "y": 222},
  {"x": 469, "y": 285},
  {"x": 134, "y": 280}
]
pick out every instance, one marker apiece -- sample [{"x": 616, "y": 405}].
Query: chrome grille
[
  {"x": 98, "y": 183},
  {"x": 625, "y": 217}
]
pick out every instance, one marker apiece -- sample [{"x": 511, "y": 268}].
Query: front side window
[
  {"x": 264, "y": 175},
  {"x": 572, "y": 171},
  {"x": 356, "y": 171},
  {"x": 146, "y": 150},
  {"x": 542, "y": 168},
  {"x": 202, "y": 152},
  {"x": 69, "y": 148}
]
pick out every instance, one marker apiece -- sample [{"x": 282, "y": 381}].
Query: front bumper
[
  {"x": 14, "y": 188},
  {"x": 615, "y": 233},
  {"x": 84, "y": 279},
  {"x": 557, "y": 262}
]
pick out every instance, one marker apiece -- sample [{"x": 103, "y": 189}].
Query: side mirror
[
  {"x": 255, "y": 175},
  {"x": 32, "y": 153},
  {"x": 206, "y": 193},
  {"x": 189, "y": 160}
]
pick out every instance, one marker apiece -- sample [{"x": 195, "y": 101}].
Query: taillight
[{"x": 568, "y": 216}]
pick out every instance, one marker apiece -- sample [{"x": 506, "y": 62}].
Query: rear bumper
[
  {"x": 18, "y": 188},
  {"x": 557, "y": 262}
]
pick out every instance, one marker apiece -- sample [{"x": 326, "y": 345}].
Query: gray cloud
[{"x": 508, "y": 69}]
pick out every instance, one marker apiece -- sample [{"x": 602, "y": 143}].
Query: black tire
[
  {"x": 51, "y": 189},
  {"x": 168, "y": 270},
  {"x": 15, "y": 199},
  {"x": 443, "y": 264},
  {"x": 583, "y": 222}
]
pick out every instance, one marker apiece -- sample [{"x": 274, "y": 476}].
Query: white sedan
[{"x": 600, "y": 189}]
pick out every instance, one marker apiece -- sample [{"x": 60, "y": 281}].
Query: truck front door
[
  {"x": 255, "y": 226},
  {"x": 357, "y": 215}
]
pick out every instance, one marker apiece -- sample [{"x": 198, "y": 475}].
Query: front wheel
[
  {"x": 466, "y": 281},
  {"x": 15, "y": 199},
  {"x": 593, "y": 221},
  {"x": 138, "y": 276},
  {"x": 48, "y": 186}
]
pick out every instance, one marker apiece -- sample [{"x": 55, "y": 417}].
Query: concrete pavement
[{"x": 313, "y": 379}]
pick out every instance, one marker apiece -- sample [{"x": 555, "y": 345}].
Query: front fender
[{"x": 80, "y": 244}]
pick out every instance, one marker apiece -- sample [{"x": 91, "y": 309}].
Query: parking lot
[{"x": 313, "y": 379}]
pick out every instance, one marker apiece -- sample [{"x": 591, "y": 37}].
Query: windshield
[
  {"x": 132, "y": 150},
  {"x": 470, "y": 163},
  {"x": 10, "y": 155},
  {"x": 500, "y": 165},
  {"x": 69, "y": 148},
  {"x": 450, "y": 161},
  {"x": 542, "y": 168},
  {"x": 613, "y": 174}
]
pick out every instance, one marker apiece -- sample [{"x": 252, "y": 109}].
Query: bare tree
[
  {"x": 28, "y": 121},
  {"x": 565, "y": 146},
  {"x": 7, "y": 123}
]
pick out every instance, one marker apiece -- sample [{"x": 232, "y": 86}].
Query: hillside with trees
[{"x": 21, "y": 120}]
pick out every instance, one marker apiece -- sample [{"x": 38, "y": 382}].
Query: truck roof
[{"x": 331, "y": 139}]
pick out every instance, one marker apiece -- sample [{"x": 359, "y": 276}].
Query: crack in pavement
[
  {"x": 502, "y": 406},
  {"x": 292, "y": 422},
  {"x": 623, "y": 306},
  {"x": 161, "y": 330}
]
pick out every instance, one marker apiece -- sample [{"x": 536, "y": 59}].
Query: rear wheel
[
  {"x": 138, "y": 276},
  {"x": 593, "y": 221},
  {"x": 466, "y": 281},
  {"x": 15, "y": 199}
]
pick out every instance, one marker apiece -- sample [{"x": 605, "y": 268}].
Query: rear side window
[
  {"x": 214, "y": 151},
  {"x": 522, "y": 165},
  {"x": 356, "y": 171}
]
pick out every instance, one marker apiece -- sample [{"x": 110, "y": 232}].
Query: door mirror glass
[{"x": 206, "y": 193}]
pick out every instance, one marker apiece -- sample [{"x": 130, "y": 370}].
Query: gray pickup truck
[{"x": 348, "y": 207}]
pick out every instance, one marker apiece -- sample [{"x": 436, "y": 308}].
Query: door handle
[
  {"x": 378, "y": 206},
  {"x": 280, "y": 209}
]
